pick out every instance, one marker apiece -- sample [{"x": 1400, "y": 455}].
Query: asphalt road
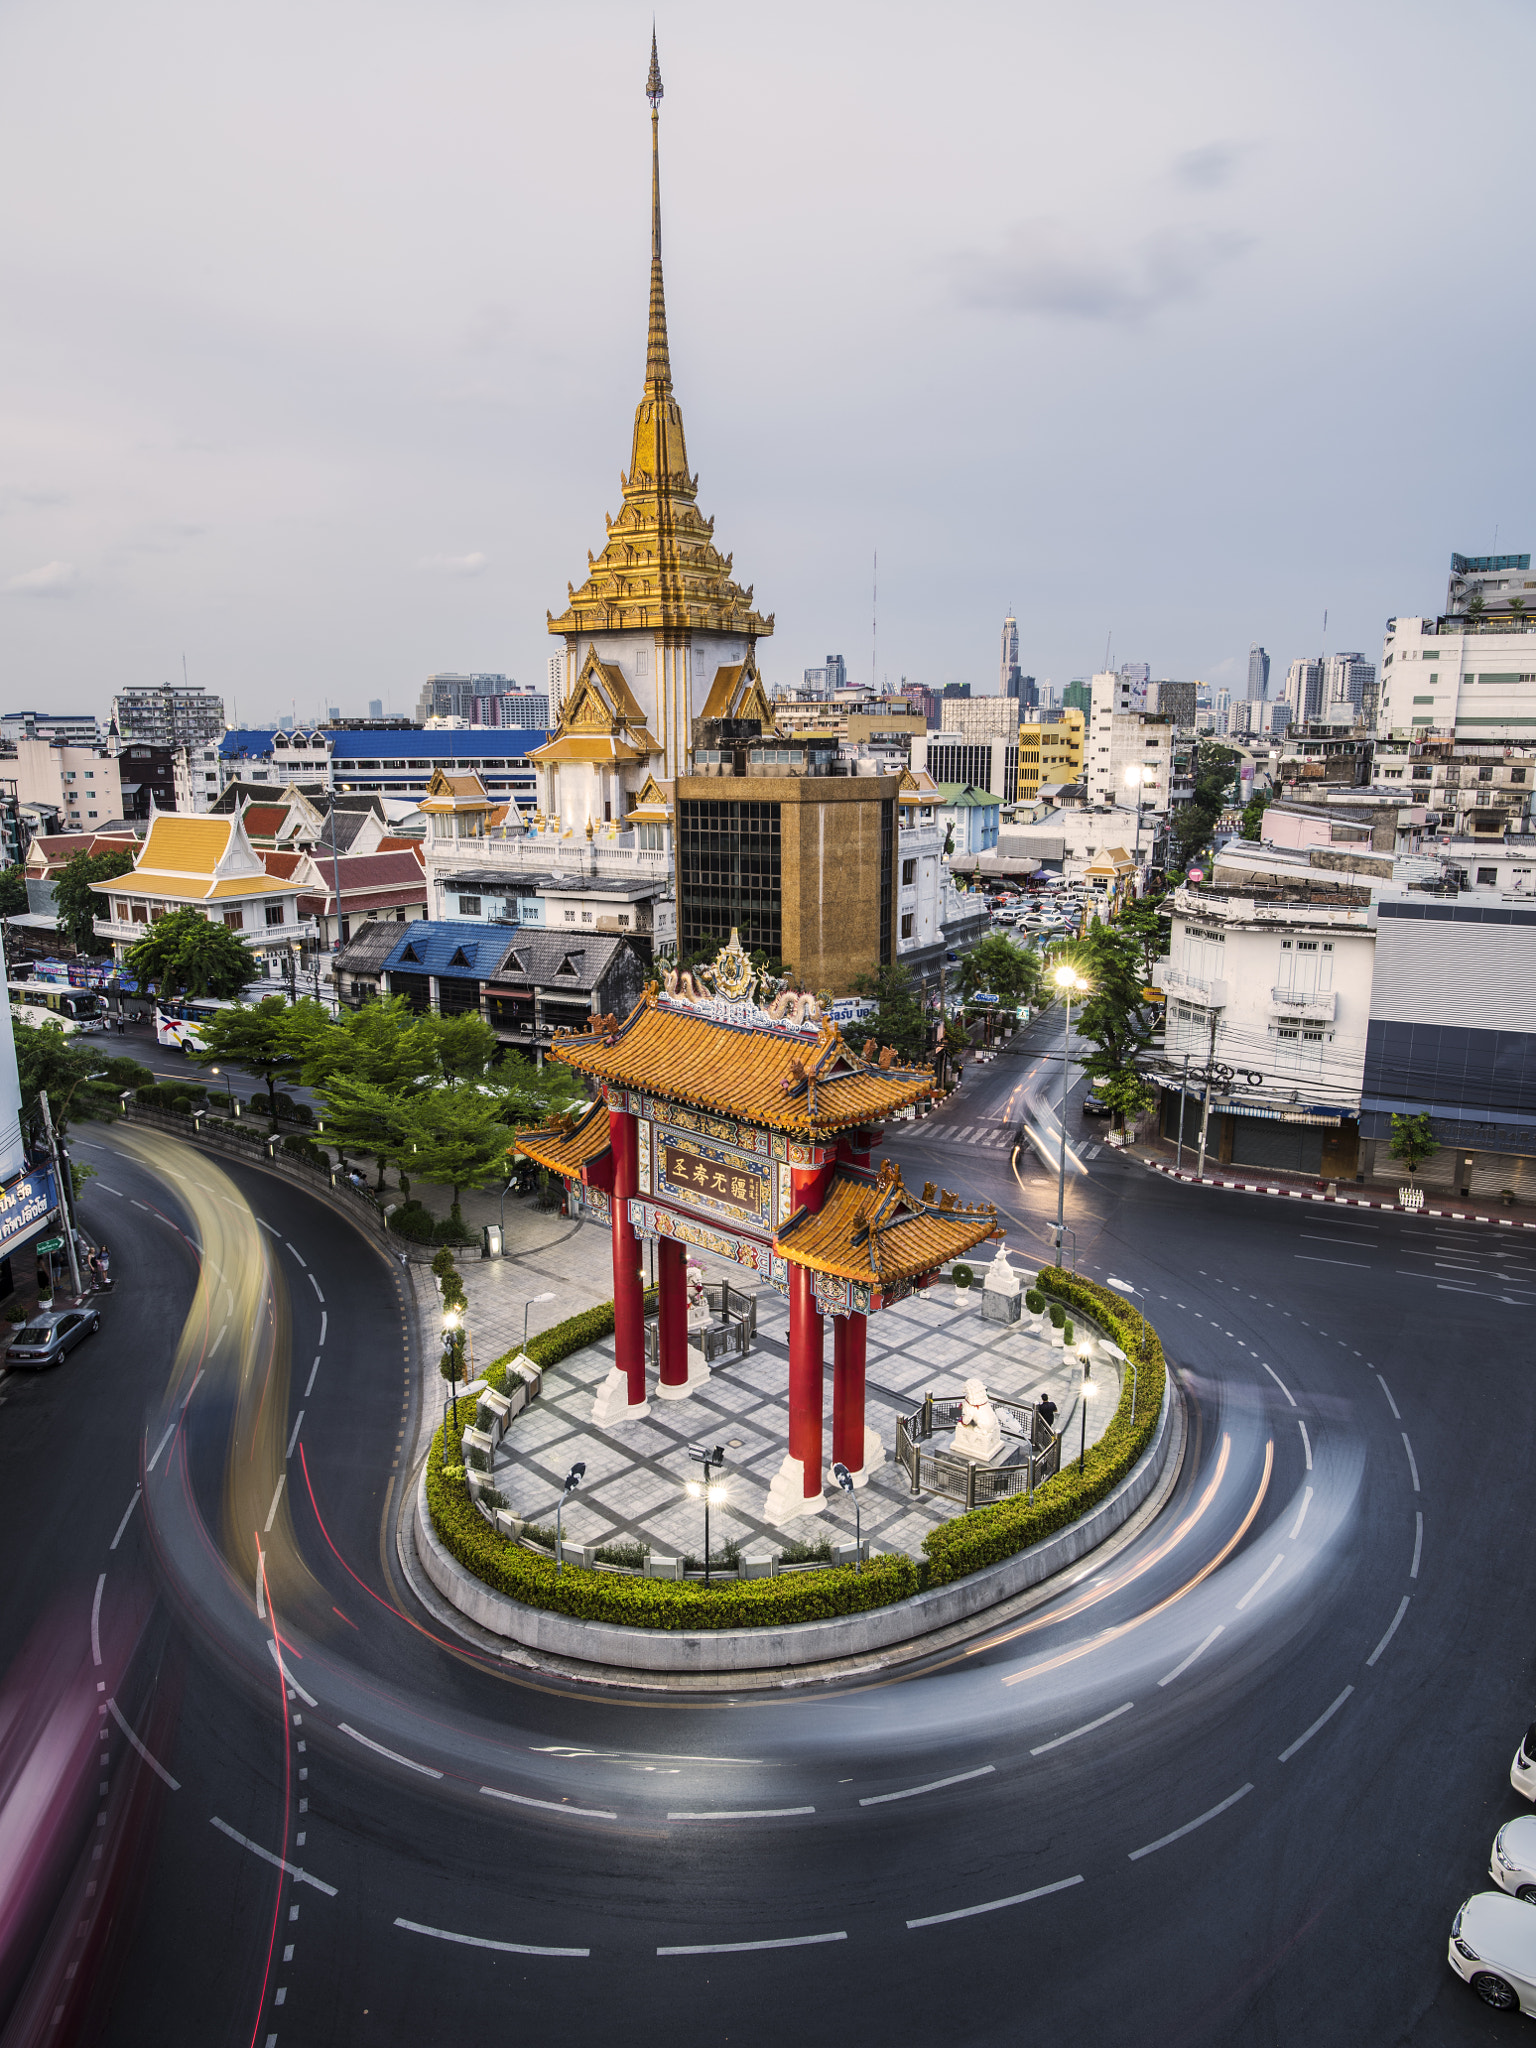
[{"x": 1228, "y": 1788}]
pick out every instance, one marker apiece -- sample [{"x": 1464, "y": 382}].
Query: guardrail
[{"x": 963, "y": 1479}]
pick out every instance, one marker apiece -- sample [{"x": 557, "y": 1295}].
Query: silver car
[{"x": 50, "y": 1334}]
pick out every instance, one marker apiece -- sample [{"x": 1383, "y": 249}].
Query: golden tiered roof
[
  {"x": 869, "y": 1229},
  {"x": 601, "y": 721},
  {"x": 659, "y": 568},
  {"x": 765, "y": 1074},
  {"x": 565, "y": 1147}
]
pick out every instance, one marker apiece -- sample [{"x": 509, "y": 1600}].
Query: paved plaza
[{"x": 634, "y": 1489}]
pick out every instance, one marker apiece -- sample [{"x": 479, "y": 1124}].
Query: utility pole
[
  {"x": 65, "y": 1209},
  {"x": 1205, "y": 1114},
  {"x": 1178, "y": 1157}
]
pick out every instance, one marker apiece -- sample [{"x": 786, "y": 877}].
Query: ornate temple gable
[
  {"x": 738, "y": 692},
  {"x": 601, "y": 720},
  {"x": 651, "y": 804},
  {"x": 659, "y": 569}
]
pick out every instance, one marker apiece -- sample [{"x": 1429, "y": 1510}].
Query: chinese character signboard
[
  {"x": 26, "y": 1204},
  {"x": 714, "y": 1179}
]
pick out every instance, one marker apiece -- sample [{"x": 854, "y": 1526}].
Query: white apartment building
[
  {"x": 1124, "y": 745},
  {"x": 1464, "y": 681},
  {"x": 1277, "y": 988},
  {"x": 195, "y": 773},
  {"x": 82, "y": 783},
  {"x": 978, "y": 743},
  {"x": 1306, "y": 689}
]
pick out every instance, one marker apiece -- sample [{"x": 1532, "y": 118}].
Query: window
[
  {"x": 1424, "y": 700},
  {"x": 586, "y": 917},
  {"x": 624, "y": 919},
  {"x": 908, "y": 919},
  {"x": 908, "y": 874},
  {"x": 1517, "y": 775},
  {"x": 276, "y": 914},
  {"x": 469, "y": 906},
  {"x": 235, "y": 920},
  {"x": 570, "y": 917},
  {"x": 1485, "y": 775},
  {"x": 1487, "y": 877}
]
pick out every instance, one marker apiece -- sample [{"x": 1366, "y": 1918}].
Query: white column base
[
  {"x": 611, "y": 1404},
  {"x": 787, "y": 1498},
  {"x": 698, "y": 1376}
]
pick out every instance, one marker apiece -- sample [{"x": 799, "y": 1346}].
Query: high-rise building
[
  {"x": 1010, "y": 658},
  {"x": 1350, "y": 678},
  {"x": 1122, "y": 736},
  {"x": 1176, "y": 699},
  {"x": 511, "y": 707},
  {"x": 1137, "y": 676},
  {"x": 1306, "y": 683},
  {"x": 924, "y": 701},
  {"x": 450, "y": 695},
  {"x": 1079, "y": 694},
  {"x": 76, "y": 728},
  {"x": 167, "y": 717},
  {"x": 956, "y": 690},
  {"x": 1490, "y": 588},
  {"x": 1258, "y": 673},
  {"x": 977, "y": 743},
  {"x": 824, "y": 682},
  {"x": 375, "y": 707}
]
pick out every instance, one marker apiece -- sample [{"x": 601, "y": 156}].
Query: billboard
[{"x": 26, "y": 1204}]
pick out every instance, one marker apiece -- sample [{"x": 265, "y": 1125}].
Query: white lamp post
[
  {"x": 1136, "y": 776},
  {"x": 1070, "y": 982},
  {"x": 1084, "y": 1396},
  {"x": 1125, "y": 1287},
  {"x": 703, "y": 1489}
]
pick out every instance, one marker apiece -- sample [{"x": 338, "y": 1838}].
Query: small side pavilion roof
[
  {"x": 870, "y": 1229},
  {"x": 565, "y": 1148}
]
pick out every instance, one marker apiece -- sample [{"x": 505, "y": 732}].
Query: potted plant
[{"x": 1058, "y": 1321}]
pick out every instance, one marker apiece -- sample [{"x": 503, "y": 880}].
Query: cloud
[
  {"x": 52, "y": 579},
  {"x": 453, "y": 565},
  {"x": 1209, "y": 168},
  {"x": 1043, "y": 272}
]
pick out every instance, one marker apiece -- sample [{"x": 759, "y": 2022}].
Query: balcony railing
[
  {"x": 1291, "y": 1002},
  {"x": 539, "y": 856},
  {"x": 1211, "y": 994}
]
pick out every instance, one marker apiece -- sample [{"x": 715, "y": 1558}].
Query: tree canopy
[
  {"x": 1194, "y": 822},
  {"x": 80, "y": 1079},
  {"x": 270, "y": 1038},
  {"x": 78, "y": 905},
  {"x": 898, "y": 1018},
  {"x": 996, "y": 966},
  {"x": 13, "y": 892},
  {"x": 184, "y": 954},
  {"x": 1114, "y": 1018}
]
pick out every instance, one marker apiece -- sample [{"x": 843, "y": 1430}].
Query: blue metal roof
[
  {"x": 461, "y": 743},
  {"x": 453, "y": 947}
]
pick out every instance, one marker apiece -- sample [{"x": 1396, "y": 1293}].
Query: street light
[
  {"x": 453, "y": 1354},
  {"x": 702, "y": 1489},
  {"x": 528, "y": 1304},
  {"x": 1135, "y": 777},
  {"x": 229, "y": 1089},
  {"x": 1125, "y": 1287},
  {"x": 1070, "y": 982},
  {"x": 572, "y": 1480},
  {"x": 1084, "y": 1395},
  {"x": 844, "y": 1479}
]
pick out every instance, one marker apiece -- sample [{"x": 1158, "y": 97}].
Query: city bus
[
  {"x": 181, "y": 1021},
  {"x": 54, "y": 1002}
]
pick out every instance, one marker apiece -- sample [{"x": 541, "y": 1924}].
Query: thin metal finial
[{"x": 653, "y": 85}]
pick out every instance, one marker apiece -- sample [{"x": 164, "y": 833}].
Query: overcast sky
[{"x": 322, "y": 327}]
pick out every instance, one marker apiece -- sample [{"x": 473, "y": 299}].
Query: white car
[
  {"x": 1512, "y": 1862},
  {"x": 1522, "y": 1772},
  {"x": 1493, "y": 1946}
]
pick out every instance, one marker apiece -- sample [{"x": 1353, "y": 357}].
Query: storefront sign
[{"x": 26, "y": 1204}]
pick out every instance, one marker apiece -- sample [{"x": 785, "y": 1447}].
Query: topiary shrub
[
  {"x": 1066, "y": 1331},
  {"x": 414, "y": 1222},
  {"x": 1034, "y": 1301},
  {"x": 961, "y": 1274},
  {"x": 1058, "y": 1315},
  {"x": 182, "y": 1104}
]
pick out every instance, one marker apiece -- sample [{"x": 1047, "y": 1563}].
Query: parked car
[
  {"x": 1522, "y": 1772},
  {"x": 1512, "y": 1860},
  {"x": 1095, "y": 1105},
  {"x": 1493, "y": 1948},
  {"x": 50, "y": 1334}
]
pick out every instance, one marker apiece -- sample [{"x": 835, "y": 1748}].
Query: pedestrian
[{"x": 1045, "y": 1408}]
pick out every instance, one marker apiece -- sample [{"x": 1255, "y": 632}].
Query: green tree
[
  {"x": 1115, "y": 1018},
  {"x": 364, "y": 1116},
  {"x": 1143, "y": 922},
  {"x": 1194, "y": 822},
  {"x": 79, "y": 1078},
  {"x": 386, "y": 1044},
  {"x": 183, "y": 954},
  {"x": 465, "y": 1048},
  {"x": 78, "y": 905},
  {"x": 998, "y": 967},
  {"x": 13, "y": 892},
  {"x": 458, "y": 1137},
  {"x": 898, "y": 1018},
  {"x": 1413, "y": 1139},
  {"x": 1253, "y": 815},
  {"x": 269, "y": 1039}
]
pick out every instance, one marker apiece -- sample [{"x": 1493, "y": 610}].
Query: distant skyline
[{"x": 322, "y": 329}]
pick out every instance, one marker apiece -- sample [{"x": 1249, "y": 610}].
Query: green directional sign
[{"x": 51, "y": 1244}]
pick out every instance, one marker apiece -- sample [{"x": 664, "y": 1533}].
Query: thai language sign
[{"x": 26, "y": 1203}]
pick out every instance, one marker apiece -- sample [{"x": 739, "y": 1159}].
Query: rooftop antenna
[
  {"x": 184, "y": 683},
  {"x": 874, "y": 628}
]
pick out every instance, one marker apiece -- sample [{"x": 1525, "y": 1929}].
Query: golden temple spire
[{"x": 658, "y": 364}]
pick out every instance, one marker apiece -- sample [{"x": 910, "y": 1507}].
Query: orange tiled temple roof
[
  {"x": 870, "y": 1229},
  {"x": 566, "y": 1148},
  {"x": 761, "y": 1074}
]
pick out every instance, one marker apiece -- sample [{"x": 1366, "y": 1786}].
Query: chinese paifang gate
[{"x": 728, "y": 1126}]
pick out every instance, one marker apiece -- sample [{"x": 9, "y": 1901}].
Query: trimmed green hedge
[
  {"x": 988, "y": 1535},
  {"x": 635, "y": 1602}
]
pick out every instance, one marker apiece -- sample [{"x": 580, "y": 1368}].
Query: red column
[
  {"x": 628, "y": 1287},
  {"x": 672, "y": 1309},
  {"x": 805, "y": 1378},
  {"x": 848, "y": 1352}
]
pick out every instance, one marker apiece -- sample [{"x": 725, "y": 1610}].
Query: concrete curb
[
  {"x": 846, "y": 1636},
  {"x": 1248, "y": 1187}
]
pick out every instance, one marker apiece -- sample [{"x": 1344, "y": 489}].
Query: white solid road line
[
  {"x": 1306, "y": 1441},
  {"x": 1179, "y": 1670},
  {"x": 277, "y": 1496},
  {"x": 747, "y": 1813},
  {"x": 1391, "y": 1632},
  {"x": 1413, "y": 1464},
  {"x": 316, "y": 1286},
  {"x": 288, "y": 1678},
  {"x": 127, "y": 1511},
  {"x": 741, "y": 1948},
  {"x": 506, "y": 1948},
  {"x": 294, "y": 1870},
  {"x": 1301, "y": 1514},
  {"x": 1396, "y": 1417},
  {"x": 938, "y": 1785},
  {"x": 159, "y": 1447},
  {"x": 1321, "y": 1722},
  {"x": 394, "y": 1755},
  {"x": 1280, "y": 1383},
  {"x": 1189, "y": 1826},
  {"x": 1418, "y": 1543},
  {"x": 1043, "y": 1891},
  {"x": 158, "y": 1768},
  {"x": 548, "y": 1805},
  {"x": 1086, "y": 1729},
  {"x": 96, "y": 1622},
  {"x": 1259, "y": 1583}
]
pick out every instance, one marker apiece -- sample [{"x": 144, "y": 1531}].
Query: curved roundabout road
[{"x": 1226, "y": 1785}]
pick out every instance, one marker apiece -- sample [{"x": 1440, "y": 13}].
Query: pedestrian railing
[{"x": 1035, "y": 1453}]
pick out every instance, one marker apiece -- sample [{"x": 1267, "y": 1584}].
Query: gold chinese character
[
  {"x": 717, "y": 1180},
  {"x": 739, "y": 1187}
]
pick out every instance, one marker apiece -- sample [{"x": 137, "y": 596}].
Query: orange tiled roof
[
  {"x": 763, "y": 1074},
  {"x": 566, "y": 1150},
  {"x": 870, "y": 1229}
]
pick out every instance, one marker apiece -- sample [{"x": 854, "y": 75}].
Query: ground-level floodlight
[
  {"x": 703, "y": 1489},
  {"x": 573, "y": 1479},
  {"x": 844, "y": 1479}
]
